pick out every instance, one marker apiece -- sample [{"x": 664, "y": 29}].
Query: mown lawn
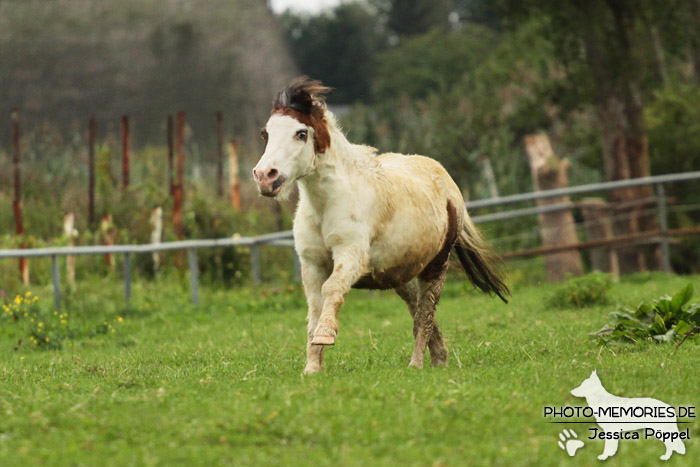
[{"x": 220, "y": 384}]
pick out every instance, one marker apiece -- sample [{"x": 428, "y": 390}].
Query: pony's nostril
[
  {"x": 272, "y": 174},
  {"x": 255, "y": 175}
]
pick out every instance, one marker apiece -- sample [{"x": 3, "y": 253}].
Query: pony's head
[{"x": 294, "y": 135}]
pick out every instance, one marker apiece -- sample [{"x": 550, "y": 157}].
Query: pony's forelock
[{"x": 302, "y": 94}]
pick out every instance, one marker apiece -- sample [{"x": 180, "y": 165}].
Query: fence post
[
  {"x": 92, "y": 124},
  {"x": 125, "y": 152},
  {"x": 663, "y": 224},
  {"x": 194, "y": 274},
  {"x": 56, "y": 277},
  {"x": 219, "y": 155},
  {"x": 17, "y": 201},
  {"x": 255, "y": 264},
  {"x": 127, "y": 277}
]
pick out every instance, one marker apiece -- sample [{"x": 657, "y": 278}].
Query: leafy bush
[
  {"x": 667, "y": 319},
  {"x": 580, "y": 292}
]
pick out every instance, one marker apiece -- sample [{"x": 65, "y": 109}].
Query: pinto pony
[{"x": 366, "y": 221}]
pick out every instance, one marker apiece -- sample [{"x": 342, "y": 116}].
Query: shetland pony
[{"x": 365, "y": 220}]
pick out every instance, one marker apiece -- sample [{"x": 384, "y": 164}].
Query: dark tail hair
[{"x": 481, "y": 265}]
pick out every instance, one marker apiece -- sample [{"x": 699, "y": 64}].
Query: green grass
[{"x": 220, "y": 384}]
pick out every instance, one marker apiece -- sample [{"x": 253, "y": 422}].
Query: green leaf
[
  {"x": 682, "y": 328},
  {"x": 604, "y": 331},
  {"x": 682, "y": 297}
]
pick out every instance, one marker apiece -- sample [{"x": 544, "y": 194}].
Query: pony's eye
[
  {"x": 263, "y": 133},
  {"x": 301, "y": 135}
]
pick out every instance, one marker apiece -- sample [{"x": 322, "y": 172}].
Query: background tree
[{"x": 338, "y": 48}]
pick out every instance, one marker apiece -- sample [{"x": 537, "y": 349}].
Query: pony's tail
[{"x": 479, "y": 262}]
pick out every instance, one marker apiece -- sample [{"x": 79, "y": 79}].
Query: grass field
[{"x": 166, "y": 383}]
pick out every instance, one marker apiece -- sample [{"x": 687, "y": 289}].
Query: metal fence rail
[{"x": 285, "y": 238}]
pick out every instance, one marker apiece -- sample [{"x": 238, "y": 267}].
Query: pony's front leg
[
  {"x": 313, "y": 278},
  {"x": 349, "y": 263}
]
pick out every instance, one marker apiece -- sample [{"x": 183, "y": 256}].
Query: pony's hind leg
[{"x": 410, "y": 293}]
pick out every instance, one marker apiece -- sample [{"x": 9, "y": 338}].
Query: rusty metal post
[
  {"x": 125, "y": 152},
  {"x": 219, "y": 155},
  {"x": 92, "y": 124},
  {"x": 178, "y": 187},
  {"x": 17, "y": 201},
  {"x": 170, "y": 154}
]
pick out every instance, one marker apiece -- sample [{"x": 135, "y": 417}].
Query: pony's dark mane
[{"x": 303, "y": 94}]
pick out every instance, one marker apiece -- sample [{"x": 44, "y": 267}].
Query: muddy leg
[
  {"x": 410, "y": 292},
  {"x": 423, "y": 321}
]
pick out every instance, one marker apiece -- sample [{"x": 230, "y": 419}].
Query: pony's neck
[{"x": 334, "y": 166}]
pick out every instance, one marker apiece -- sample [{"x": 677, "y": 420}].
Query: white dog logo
[{"x": 618, "y": 415}]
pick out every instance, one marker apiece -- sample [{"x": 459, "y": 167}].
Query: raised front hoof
[{"x": 320, "y": 339}]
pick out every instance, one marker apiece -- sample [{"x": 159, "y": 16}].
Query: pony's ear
[{"x": 594, "y": 374}]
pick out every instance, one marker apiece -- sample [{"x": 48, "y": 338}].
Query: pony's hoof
[
  {"x": 310, "y": 370},
  {"x": 320, "y": 339},
  {"x": 415, "y": 365}
]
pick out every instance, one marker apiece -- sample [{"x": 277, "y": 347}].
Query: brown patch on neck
[{"x": 322, "y": 139}]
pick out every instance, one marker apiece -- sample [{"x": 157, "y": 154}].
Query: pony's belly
[{"x": 389, "y": 278}]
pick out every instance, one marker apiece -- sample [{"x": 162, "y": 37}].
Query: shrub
[
  {"x": 580, "y": 292},
  {"x": 28, "y": 323},
  {"x": 667, "y": 319}
]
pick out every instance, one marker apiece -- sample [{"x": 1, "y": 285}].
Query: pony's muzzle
[{"x": 269, "y": 181}]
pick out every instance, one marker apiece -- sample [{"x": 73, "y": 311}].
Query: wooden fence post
[
  {"x": 108, "y": 237},
  {"x": 17, "y": 201},
  {"x": 233, "y": 176},
  {"x": 156, "y": 234},
  {"x": 69, "y": 232},
  {"x": 557, "y": 228}
]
